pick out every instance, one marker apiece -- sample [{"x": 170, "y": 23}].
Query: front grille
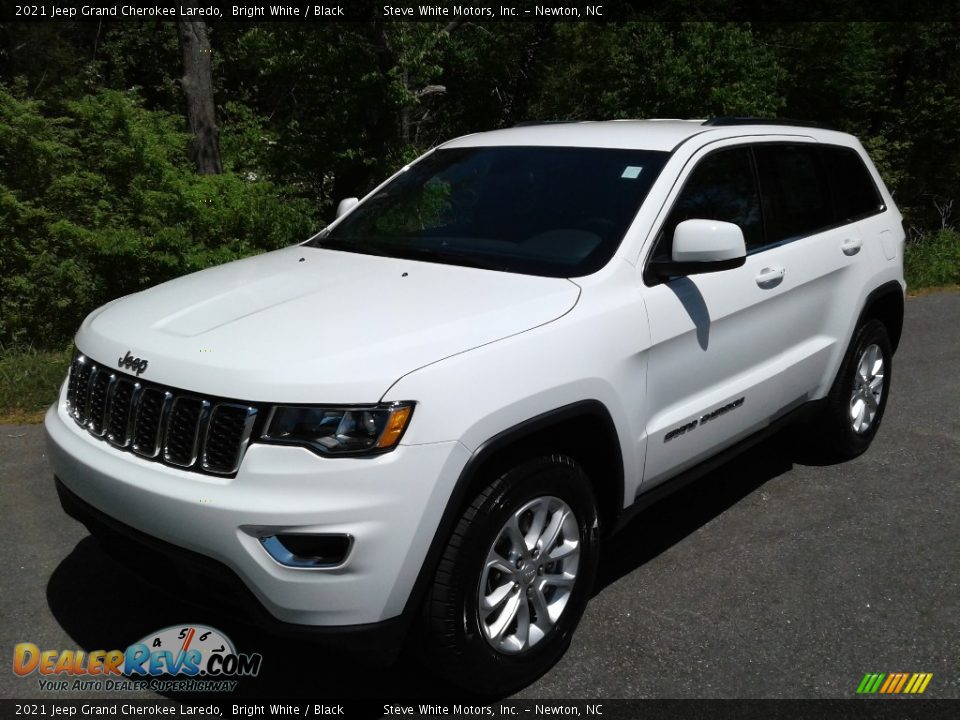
[{"x": 178, "y": 428}]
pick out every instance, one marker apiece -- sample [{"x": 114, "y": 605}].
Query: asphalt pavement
[{"x": 769, "y": 578}]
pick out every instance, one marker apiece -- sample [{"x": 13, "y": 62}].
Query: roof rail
[
  {"x": 736, "y": 120},
  {"x": 528, "y": 123}
]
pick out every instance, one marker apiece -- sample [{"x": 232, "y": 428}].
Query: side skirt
[{"x": 646, "y": 499}]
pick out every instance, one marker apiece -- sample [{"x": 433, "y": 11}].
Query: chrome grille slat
[
  {"x": 151, "y": 417},
  {"x": 167, "y": 425},
  {"x": 227, "y": 436},
  {"x": 97, "y": 400},
  {"x": 122, "y": 414},
  {"x": 182, "y": 436},
  {"x": 77, "y": 388},
  {"x": 108, "y": 404}
]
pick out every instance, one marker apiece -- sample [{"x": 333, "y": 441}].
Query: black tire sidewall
[
  {"x": 847, "y": 442},
  {"x": 554, "y": 476}
]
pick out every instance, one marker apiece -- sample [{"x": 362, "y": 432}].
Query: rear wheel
[
  {"x": 514, "y": 580},
  {"x": 858, "y": 397}
]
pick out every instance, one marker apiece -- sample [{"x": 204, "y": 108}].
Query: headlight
[{"x": 356, "y": 430}]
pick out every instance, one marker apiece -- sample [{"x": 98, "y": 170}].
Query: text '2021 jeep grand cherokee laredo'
[{"x": 422, "y": 421}]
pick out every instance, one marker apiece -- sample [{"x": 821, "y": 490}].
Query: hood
[{"x": 311, "y": 325}]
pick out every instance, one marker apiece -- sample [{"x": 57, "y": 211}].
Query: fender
[
  {"x": 470, "y": 475},
  {"x": 891, "y": 287}
]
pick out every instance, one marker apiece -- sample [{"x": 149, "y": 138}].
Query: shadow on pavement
[
  {"x": 667, "y": 522},
  {"x": 102, "y": 605}
]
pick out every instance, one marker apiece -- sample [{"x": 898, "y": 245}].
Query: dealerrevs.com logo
[{"x": 185, "y": 658}]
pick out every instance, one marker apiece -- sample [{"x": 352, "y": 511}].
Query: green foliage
[
  {"x": 246, "y": 141},
  {"x": 629, "y": 70},
  {"x": 933, "y": 260},
  {"x": 98, "y": 198},
  {"x": 894, "y": 85},
  {"x": 101, "y": 202},
  {"x": 430, "y": 209},
  {"x": 29, "y": 380}
]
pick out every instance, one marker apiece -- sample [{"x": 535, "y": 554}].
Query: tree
[
  {"x": 596, "y": 71},
  {"x": 197, "y": 84}
]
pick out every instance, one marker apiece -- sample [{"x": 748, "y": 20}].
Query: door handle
[
  {"x": 851, "y": 246},
  {"x": 770, "y": 277}
]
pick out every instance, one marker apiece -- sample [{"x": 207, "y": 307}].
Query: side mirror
[
  {"x": 346, "y": 205},
  {"x": 702, "y": 246}
]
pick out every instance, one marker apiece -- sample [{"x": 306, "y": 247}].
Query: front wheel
[{"x": 514, "y": 580}]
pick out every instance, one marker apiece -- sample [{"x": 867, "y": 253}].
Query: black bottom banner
[{"x": 893, "y": 709}]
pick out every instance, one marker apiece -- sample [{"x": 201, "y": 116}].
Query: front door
[{"x": 724, "y": 345}]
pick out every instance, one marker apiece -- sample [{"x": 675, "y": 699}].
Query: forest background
[{"x": 134, "y": 152}]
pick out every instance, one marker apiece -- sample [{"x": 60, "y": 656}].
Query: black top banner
[{"x": 481, "y": 11}]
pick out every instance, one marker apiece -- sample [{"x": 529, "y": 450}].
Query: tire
[
  {"x": 466, "y": 634},
  {"x": 858, "y": 397}
]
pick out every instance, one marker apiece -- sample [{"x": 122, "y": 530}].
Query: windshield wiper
[
  {"x": 410, "y": 252},
  {"x": 449, "y": 257},
  {"x": 351, "y": 244}
]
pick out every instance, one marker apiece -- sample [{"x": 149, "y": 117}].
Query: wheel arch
[
  {"x": 587, "y": 422},
  {"x": 886, "y": 304}
]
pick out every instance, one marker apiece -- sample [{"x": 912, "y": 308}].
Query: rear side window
[
  {"x": 721, "y": 187},
  {"x": 795, "y": 199},
  {"x": 852, "y": 188}
]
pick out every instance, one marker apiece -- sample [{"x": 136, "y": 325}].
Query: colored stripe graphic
[
  {"x": 918, "y": 683},
  {"x": 894, "y": 683},
  {"x": 870, "y": 683},
  {"x": 892, "y": 679}
]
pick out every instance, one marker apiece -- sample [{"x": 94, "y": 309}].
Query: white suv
[{"x": 423, "y": 421}]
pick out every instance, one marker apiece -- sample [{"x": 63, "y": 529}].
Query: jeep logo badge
[{"x": 129, "y": 362}]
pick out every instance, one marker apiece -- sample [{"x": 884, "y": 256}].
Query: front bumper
[
  {"x": 213, "y": 586},
  {"x": 390, "y": 504}
]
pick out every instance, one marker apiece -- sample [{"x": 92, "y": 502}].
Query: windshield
[{"x": 553, "y": 211}]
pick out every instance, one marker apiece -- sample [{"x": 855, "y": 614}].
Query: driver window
[{"x": 721, "y": 187}]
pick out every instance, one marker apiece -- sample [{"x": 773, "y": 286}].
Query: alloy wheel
[{"x": 528, "y": 575}]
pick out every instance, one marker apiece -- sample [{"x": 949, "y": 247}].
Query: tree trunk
[
  {"x": 197, "y": 83},
  {"x": 406, "y": 111}
]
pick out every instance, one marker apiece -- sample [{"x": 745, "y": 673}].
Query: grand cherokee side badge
[
  {"x": 128, "y": 361},
  {"x": 702, "y": 420}
]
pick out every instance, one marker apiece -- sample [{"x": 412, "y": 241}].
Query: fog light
[{"x": 308, "y": 551}]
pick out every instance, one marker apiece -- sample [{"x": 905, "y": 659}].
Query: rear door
[{"x": 811, "y": 201}]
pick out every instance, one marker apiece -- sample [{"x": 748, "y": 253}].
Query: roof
[{"x": 635, "y": 134}]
